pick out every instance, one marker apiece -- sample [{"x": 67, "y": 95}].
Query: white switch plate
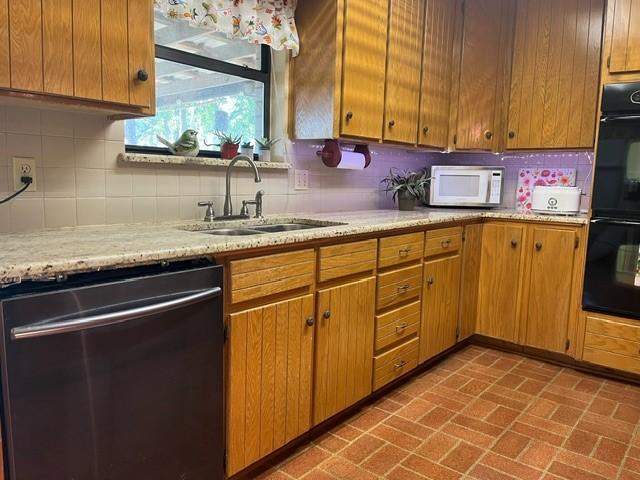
[
  {"x": 24, "y": 166},
  {"x": 301, "y": 179}
]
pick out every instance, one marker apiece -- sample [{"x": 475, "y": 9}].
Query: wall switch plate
[
  {"x": 24, "y": 166},
  {"x": 301, "y": 179}
]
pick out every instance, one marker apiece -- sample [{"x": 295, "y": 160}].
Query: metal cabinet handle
[
  {"x": 392, "y": 123},
  {"x": 326, "y": 314},
  {"x": 425, "y": 130},
  {"x": 401, "y": 326},
  {"x": 514, "y": 243},
  {"x": 113, "y": 318},
  {"x": 403, "y": 288},
  {"x": 538, "y": 246},
  {"x": 403, "y": 252},
  {"x": 512, "y": 134},
  {"x": 399, "y": 365},
  {"x": 310, "y": 322},
  {"x": 349, "y": 116},
  {"x": 142, "y": 75},
  {"x": 446, "y": 243},
  {"x": 429, "y": 280},
  {"x": 488, "y": 134}
]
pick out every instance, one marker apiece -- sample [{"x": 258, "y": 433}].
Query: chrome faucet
[
  {"x": 228, "y": 207},
  {"x": 257, "y": 202}
]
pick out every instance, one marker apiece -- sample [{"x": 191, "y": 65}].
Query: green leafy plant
[
  {"x": 247, "y": 145},
  {"x": 226, "y": 138},
  {"x": 405, "y": 181},
  {"x": 265, "y": 143}
]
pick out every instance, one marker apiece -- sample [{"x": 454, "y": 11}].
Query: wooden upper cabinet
[
  {"x": 269, "y": 379},
  {"x": 486, "y": 38},
  {"x": 363, "y": 69},
  {"x": 90, "y": 50},
  {"x": 437, "y": 71},
  {"x": 404, "y": 58},
  {"x": 500, "y": 272},
  {"x": 552, "y": 255},
  {"x": 625, "y": 36},
  {"x": 555, "y": 76}
]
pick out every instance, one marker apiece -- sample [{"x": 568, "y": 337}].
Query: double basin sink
[{"x": 264, "y": 228}]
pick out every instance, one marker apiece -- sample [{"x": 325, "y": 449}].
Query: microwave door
[{"x": 460, "y": 188}]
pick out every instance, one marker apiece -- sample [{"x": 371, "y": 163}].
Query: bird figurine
[{"x": 186, "y": 146}]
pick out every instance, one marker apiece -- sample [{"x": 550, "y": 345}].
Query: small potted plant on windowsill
[
  {"x": 264, "y": 148},
  {"x": 229, "y": 144},
  {"x": 408, "y": 186},
  {"x": 246, "y": 149}
]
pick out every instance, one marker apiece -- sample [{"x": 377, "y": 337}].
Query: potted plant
[
  {"x": 229, "y": 144},
  {"x": 264, "y": 148},
  {"x": 246, "y": 149},
  {"x": 408, "y": 186}
]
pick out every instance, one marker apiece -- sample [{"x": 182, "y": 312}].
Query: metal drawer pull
[
  {"x": 403, "y": 288},
  {"x": 429, "y": 280},
  {"x": 310, "y": 322},
  {"x": 95, "y": 321},
  {"x": 326, "y": 314},
  {"x": 399, "y": 365},
  {"x": 400, "y": 327},
  {"x": 403, "y": 252},
  {"x": 446, "y": 243},
  {"x": 514, "y": 243},
  {"x": 539, "y": 246}
]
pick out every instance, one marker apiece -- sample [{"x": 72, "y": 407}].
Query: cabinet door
[
  {"x": 440, "y": 299},
  {"x": 25, "y": 32},
  {"x": 5, "y": 65},
  {"x": 555, "y": 77},
  {"x": 115, "y": 51},
  {"x": 437, "y": 63},
  {"x": 403, "y": 71},
  {"x": 141, "y": 54},
  {"x": 500, "y": 265},
  {"x": 269, "y": 377},
  {"x": 625, "y": 39},
  {"x": 482, "y": 73},
  {"x": 87, "y": 48},
  {"x": 57, "y": 47},
  {"x": 471, "y": 256},
  {"x": 363, "y": 68},
  {"x": 548, "y": 294},
  {"x": 344, "y": 347}
]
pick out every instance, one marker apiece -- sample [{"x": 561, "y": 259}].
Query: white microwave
[{"x": 465, "y": 186}]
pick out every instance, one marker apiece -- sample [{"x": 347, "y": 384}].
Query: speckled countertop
[{"x": 47, "y": 253}]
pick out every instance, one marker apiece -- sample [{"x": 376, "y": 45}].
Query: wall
[{"x": 81, "y": 183}]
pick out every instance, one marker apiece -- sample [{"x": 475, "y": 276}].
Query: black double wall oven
[{"x": 612, "y": 276}]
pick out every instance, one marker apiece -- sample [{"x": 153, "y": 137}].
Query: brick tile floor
[{"x": 483, "y": 414}]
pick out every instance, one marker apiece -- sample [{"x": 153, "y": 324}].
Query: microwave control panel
[{"x": 496, "y": 187}]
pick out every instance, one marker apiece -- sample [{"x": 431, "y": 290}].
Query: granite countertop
[{"x": 47, "y": 253}]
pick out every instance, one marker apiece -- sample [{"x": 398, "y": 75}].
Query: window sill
[{"x": 140, "y": 158}]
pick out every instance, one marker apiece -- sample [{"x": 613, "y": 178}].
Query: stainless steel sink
[
  {"x": 232, "y": 232},
  {"x": 284, "y": 227}
]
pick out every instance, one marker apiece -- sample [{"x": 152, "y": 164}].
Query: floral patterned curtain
[{"x": 269, "y": 22}]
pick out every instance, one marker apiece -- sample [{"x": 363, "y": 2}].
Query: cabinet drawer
[
  {"x": 444, "y": 240},
  {"x": 397, "y": 325},
  {"x": 399, "y": 285},
  {"x": 612, "y": 344},
  {"x": 400, "y": 249},
  {"x": 347, "y": 259},
  {"x": 395, "y": 363},
  {"x": 263, "y": 276}
]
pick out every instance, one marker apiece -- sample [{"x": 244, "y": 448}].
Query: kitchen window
[{"x": 206, "y": 82}]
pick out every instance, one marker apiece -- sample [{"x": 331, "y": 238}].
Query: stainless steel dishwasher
[{"x": 115, "y": 376}]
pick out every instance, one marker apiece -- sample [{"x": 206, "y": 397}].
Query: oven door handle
[
  {"x": 95, "y": 321},
  {"x": 618, "y": 118},
  {"x": 615, "y": 222}
]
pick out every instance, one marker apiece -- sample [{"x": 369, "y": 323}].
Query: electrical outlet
[
  {"x": 24, "y": 167},
  {"x": 301, "y": 179}
]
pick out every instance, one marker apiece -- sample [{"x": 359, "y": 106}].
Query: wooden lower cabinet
[
  {"x": 440, "y": 299},
  {"x": 499, "y": 280},
  {"x": 612, "y": 342},
  {"x": 548, "y": 287},
  {"x": 471, "y": 256},
  {"x": 344, "y": 347},
  {"x": 269, "y": 378}
]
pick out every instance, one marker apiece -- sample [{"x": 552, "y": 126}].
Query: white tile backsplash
[
  {"x": 91, "y": 211},
  {"x": 59, "y": 212}
]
